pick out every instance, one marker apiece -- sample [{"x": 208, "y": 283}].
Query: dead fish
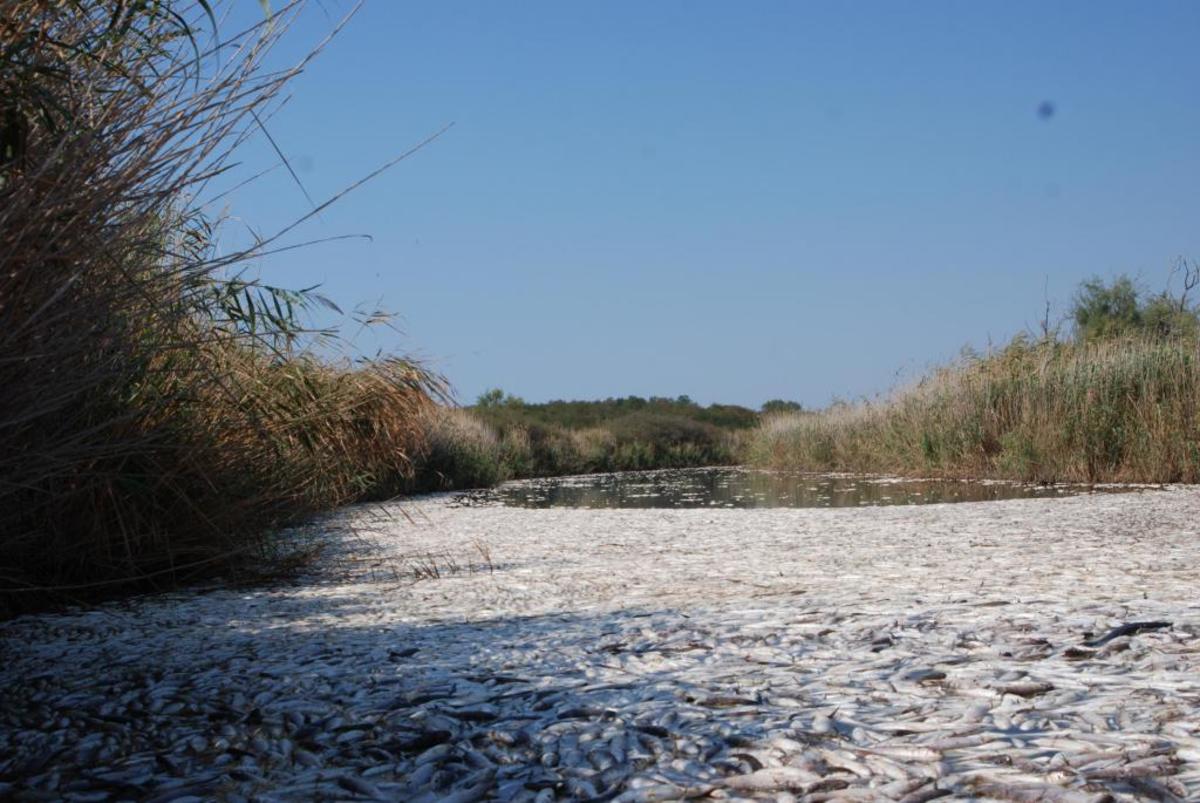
[
  {"x": 1145, "y": 768},
  {"x": 839, "y": 759},
  {"x": 888, "y": 768},
  {"x": 502, "y": 738},
  {"x": 959, "y": 742},
  {"x": 773, "y": 779},
  {"x": 905, "y": 752},
  {"x": 1167, "y": 789},
  {"x": 477, "y": 714},
  {"x": 308, "y": 759},
  {"x": 475, "y": 787},
  {"x": 1038, "y": 793},
  {"x": 358, "y": 786},
  {"x": 788, "y": 746},
  {"x": 726, "y": 701},
  {"x": 851, "y": 794},
  {"x": 1027, "y": 689},
  {"x": 580, "y": 788},
  {"x": 924, "y": 795},
  {"x": 421, "y": 741},
  {"x": 661, "y": 792},
  {"x": 435, "y": 753}
]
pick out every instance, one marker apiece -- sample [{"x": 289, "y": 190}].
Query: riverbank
[
  {"x": 487, "y": 444},
  {"x": 489, "y": 652},
  {"x": 1114, "y": 410}
]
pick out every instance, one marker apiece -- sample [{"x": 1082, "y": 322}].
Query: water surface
[{"x": 748, "y": 488}]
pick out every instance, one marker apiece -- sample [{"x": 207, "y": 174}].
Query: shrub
[
  {"x": 458, "y": 451},
  {"x": 649, "y": 440},
  {"x": 1120, "y": 309}
]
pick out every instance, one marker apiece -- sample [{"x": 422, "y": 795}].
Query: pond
[{"x": 749, "y": 488}]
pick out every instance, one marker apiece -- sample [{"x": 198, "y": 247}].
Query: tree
[
  {"x": 1164, "y": 317},
  {"x": 781, "y": 406},
  {"x": 491, "y": 399},
  {"x": 1105, "y": 311}
]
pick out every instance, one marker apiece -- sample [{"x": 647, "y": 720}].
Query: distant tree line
[{"x": 496, "y": 404}]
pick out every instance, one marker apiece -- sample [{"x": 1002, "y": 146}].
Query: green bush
[{"x": 1121, "y": 309}]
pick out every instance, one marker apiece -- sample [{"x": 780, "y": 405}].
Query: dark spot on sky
[{"x": 1045, "y": 110}]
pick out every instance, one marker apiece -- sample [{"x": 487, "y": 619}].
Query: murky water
[{"x": 745, "y": 488}]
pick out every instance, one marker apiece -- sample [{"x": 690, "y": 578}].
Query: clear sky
[{"x": 732, "y": 200}]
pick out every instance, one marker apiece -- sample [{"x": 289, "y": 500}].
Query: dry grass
[
  {"x": 458, "y": 451},
  {"x": 1122, "y": 410},
  {"x": 157, "y": 418},
  {"x": 464, "y": 449}
]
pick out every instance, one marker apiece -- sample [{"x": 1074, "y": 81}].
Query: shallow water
[{"x": 746, "y": 488}]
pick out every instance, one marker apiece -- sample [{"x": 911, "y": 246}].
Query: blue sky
[{"x": 736, "y": 201}]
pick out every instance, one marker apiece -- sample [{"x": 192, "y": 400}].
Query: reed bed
[
  {"x": 1122, "y": 410},
  {"x": 158, "y": 416},
  {"x": 464, "y": 448}
]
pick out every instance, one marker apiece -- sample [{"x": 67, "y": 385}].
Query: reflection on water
[{"x": 744, "y": 488}]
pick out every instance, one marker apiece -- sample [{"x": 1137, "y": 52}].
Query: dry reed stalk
[
  {"x": 154, "y": 418},
  {"x": 1116, "y": 411}
]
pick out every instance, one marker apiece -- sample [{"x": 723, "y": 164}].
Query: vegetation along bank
[{"x": 1116, "y": 401}]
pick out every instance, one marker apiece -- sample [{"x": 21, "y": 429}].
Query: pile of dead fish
[{"x": 224, "y": 696}]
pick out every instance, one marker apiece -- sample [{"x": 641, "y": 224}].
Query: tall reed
[
  {"x": 157, "y": 418},
  {"x": 1118, "y": 410},
  {"x": 471, "y": 449}
]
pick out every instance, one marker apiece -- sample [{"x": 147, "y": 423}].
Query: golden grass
[
  {"x": 468, "y": 449},
  {"x": 1116, "y": 411},
  {"x": 157, "y": 420}
]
